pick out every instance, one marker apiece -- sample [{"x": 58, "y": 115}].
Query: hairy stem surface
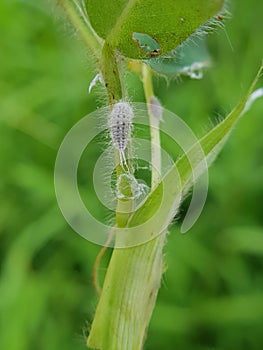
[{"x": 134, "y": 274}]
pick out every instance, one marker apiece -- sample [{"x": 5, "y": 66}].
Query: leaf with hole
[{"x": 160, "y": 25}]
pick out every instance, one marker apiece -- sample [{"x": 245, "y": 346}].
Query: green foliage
[
  {"x": 189, "y": 59},
  {"x": 166, "y": 23},
  {"x": 164, "y": 200},
  {"x": 212, "y": 291}
]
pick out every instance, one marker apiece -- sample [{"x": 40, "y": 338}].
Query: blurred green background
[{"x": 212, "y": 292}]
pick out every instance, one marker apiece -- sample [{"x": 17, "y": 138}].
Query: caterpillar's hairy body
[{"x": 120, "y": 125}]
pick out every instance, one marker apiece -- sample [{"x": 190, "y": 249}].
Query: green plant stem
[
  {"x": 128, "y": 297},
  {"x": 110, "y": 72},
  {"x": 134, "y": 274},
  {"x": 85, "y": 30},
  {"x": 154, "y": 125},
  {"x": 111, "y": 69}
]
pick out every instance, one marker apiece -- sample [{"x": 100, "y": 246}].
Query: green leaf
[
  {"x": 166, "y": 23},
  {"x": 244, "y": 239},
  {"x": 189, "y": 58},
  {"x": 162, "y": 203}
]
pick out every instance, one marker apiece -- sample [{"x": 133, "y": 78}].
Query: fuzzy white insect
[{"x": 120, "y": 125}]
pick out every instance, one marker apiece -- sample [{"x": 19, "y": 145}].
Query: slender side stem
[
  {"x": 154, "y": 125},
  {"x": 85, "y": 30}
]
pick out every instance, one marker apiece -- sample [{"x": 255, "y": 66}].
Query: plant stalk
[
  {"x": 134, "y": 274},
  {"x": 128, "y": 297},
  {"x": 85, "y": 30},
  {"x": 154, "y": 125}
]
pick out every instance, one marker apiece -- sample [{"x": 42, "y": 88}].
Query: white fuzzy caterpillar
[{"x": 120, "y": 125}]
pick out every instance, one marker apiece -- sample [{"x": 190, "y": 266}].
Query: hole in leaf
[{"x": 146, "y": 43}]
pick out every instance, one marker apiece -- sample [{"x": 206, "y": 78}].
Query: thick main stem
[
  {"x": 128, "y": 297},
  {"x": 134, "y": 274}
]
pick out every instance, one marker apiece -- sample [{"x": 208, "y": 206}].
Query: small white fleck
[
  {"x": 97, "y": 78},
  {"x": 195, "y": 71},
  {"x": 252, "y": 98}
]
